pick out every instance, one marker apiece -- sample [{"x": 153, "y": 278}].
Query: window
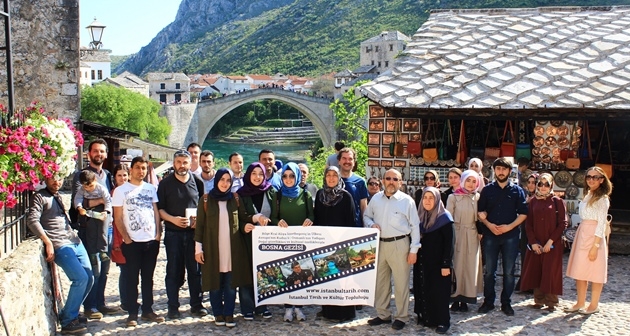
[
  {"x": 391, "y": 47},
  {"x": 178, "y": 97},
  {"x": 162, "y": 86},
  {"x": 379, "y": 64},
  {"x": 367, "y": 50},
  {"x": 93, "y": 75},
  {"x": 100, "y": 74},
  {"x": 372, "y": 62},
  {"x": 338, "y": 81},
  {"x": 386, "y": 64},
  {"x": 163, "y": 98},
  {"x": 178, "y": 86},
  {"x": 376, "y": 49}
]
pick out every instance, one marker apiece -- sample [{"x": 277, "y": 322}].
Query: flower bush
[{"x": 32, "y": 148}]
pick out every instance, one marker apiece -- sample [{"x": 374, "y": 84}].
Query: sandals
[
  {"x": 573, "y": 309},
  {"x": 583, "y": 311}
]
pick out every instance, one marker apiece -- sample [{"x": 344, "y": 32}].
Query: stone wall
[
  {"x": 184, "y": 122},
  {"x": 45, "y": 43},
  {"x": 25, "y": 291}
]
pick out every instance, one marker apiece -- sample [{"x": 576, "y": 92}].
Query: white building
[
  {"x": 169, "y": 88},
  {"x": 99, "y": 62},
  {"x": 381, "y": 50},
  {"x": 130, "y": 82},
  {"x": 238, "y": 83}
]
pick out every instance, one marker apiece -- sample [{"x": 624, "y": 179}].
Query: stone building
[
  {"x": 131, "y": 82},
  {"x": 381, "y": 50},
  {"x": 169, "y": 88},
  {"x": 99, "y": 62},
  {"x": 45, "y": 48}
]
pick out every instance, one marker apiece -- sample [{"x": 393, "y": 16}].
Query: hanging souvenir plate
[
  {"x": 546, "y": 159},
  {"x": 579, "y": 178},
  {"x": 538, "y": 141},
  {"x": 536, "y": 151},
  {"x": 545, "y": 151},
  {"x": 563, "y": 142},
  {"x": 550, "y": 141},
  {"x": 551, "y": 131},
  {"x": 563, "y": 130},
  {"x": 563, "y": 179},
  {"x": 542, "y": 122},
  {"x": 556, "y": 123},
  {"x": 571, "y": 192},
  {"x": 539, "y": 131}
]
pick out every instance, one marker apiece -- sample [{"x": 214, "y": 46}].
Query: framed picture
[
  {"x": 386, "y": 153},
  {"x": 405, "y": 154},
  {"x": 386, "y": 163},
  {"x": 400, "y": 163},
  {"x": 411, "y": 125},
  {"x": 377, "y": 125},
  {"x": 387, "y": 139},
  {"x": 415, "y": 137},
  {"x": 376, "y": 111},
  {"x": 403, "y": 138},
  {"x": 391, "y": 125},
  {"x": 374, "y": 163},
  {"x": 374, "y": 151},
  {"x": 374, "y": 139}
]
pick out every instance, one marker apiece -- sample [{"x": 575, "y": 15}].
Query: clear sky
[{"x": 130, "y": 24}]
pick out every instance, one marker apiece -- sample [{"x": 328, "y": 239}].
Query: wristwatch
[{"x": 597, "y": 245}]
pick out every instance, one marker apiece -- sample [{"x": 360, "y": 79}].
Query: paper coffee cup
[{"x": 191, "y": 212}]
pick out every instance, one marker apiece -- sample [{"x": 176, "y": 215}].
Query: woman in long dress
[
  {"x": 334, "y": 207},
  {"x": 254, "y": 210},
  {"x": 588, "y": 261},
  {"x": 292, "y": 206},
  {"x": 432, "y": 278},
  {"x": 546, "y": 221},
  {"x": 467, "y": 257}
]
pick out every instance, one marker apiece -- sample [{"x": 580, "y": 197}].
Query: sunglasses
[
  {"x": 290, "y": 176},
  {"x": 593, "y": 177},
  {"x": 543, "y": 184},
  {"x": 395, "y": 179},
  {"x": 429, "y": 178},
  {"x": 373, "y": 184}
]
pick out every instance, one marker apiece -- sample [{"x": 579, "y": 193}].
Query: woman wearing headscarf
[
  {"x": 292, "y": 206},
  {"x": 545, "y": 223},
  {"x": 476, "y": 165},
  {"x": 462, "y": 204},
  {"x": 431, "y": 179},
  {"x": 588, "y": 261},
  {"x": 221, "y": 248},
  {"x": 432, "y": 271},
  {"x": 334, "y": 207},
  {"x": 254, "y": 210}
]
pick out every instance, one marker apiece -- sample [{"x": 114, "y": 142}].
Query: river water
[{"x": 249, "y": 151}]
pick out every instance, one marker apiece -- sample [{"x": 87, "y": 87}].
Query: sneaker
[
  {"x": 104, "y": 256},
  {"x": 132, "y": 320},
  {"x": 229, "y": 321},
  {"x": 219, "y": 320},
  {"x": 441, "y": 329},
  {"x": 82, "y": 319},
  {"x": 507, "y": 309},
  {"x": 485, "y": 307},
  {"x": 299, "y": 314},
  {"x": 74, "y": 327},
  {"x": 267, "y": 314},
  {"x": 108, "y": 310},
  {"x": 398, "y": 325},
  {"x": 152, "y": 317},
  {"x": 248, "y": 317},
  {"x": 378, "y": 321},
  {"x": 288, "y": 314},
  {"x": 94, "y": 314},
  {"x": 199, "y": 312},
  {"x": 173, "y": 314}
]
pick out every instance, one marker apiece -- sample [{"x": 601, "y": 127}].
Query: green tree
[
  {"x": 350, "y": 119},
  {"x": 121, "y": 108}
]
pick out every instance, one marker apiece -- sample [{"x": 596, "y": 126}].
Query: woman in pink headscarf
[{"x": 462, "y": 204}]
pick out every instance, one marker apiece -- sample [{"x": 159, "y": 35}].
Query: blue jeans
[
  {"x": 224, "y": 298},
  {"x": 96, "y": 298},
  {"x": 248, "y": 304},
  {"x": 73, "y": 260},
  {"x": 180, "y": 259},
  {"x": 508, "y": 247}
]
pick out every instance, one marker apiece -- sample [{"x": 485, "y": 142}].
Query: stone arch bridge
[{"x": 196, "y": 121}]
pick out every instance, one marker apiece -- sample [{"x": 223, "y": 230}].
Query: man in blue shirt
[
  {"x": 354, "y": 184},
  {"x": 502, "y": 208},
  {"x": 268, "y": 158}
]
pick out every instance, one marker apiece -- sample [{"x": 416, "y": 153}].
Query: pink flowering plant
[{"x": 41, "y": 147}]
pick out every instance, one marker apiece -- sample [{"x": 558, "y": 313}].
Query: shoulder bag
[
  {"x": 606, "y": 167},
  {"x": 508, "y": 147},
  {"x": 430, "y": 154},
  {"x": 491, "y": 153}
]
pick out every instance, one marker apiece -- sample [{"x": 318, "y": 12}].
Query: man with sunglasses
[
  {"x": 502, "y": 208},
  {"x": 394, "y": 213}
]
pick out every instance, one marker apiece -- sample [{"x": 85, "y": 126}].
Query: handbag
[
  {"x": 476, "y": 147},
  {"x": 585, "y": 153},
  {"x": 491, "y": 153},
  {"x": 448, "y": 149},
  {"x": 430, "y": 154},
  {"x": 460, "y": 158},
  {"x": 508, "y": 148},
  {"x": 606, "y": 167},
  {"x": 396, "y": 147},
  {"x": 608, "y": 228},
  {"x": 524, "y": 149}
]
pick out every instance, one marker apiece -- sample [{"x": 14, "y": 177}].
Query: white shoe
[
  {"x": 288, "y": 314},
  {"x": 299, "y": 314}
]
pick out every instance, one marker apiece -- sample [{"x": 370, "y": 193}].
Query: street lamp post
[{"x": 96, "y": 33}]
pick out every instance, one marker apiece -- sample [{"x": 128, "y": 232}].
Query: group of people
[{"x": 206, "y": 217}]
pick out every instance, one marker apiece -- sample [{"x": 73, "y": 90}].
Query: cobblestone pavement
[{"x": 614, "y": 318}]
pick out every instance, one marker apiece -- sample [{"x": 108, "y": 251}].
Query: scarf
[
  {"x": 215, "y": 192},
  {"x": 294, "y": 191},
  {"x": 431, "y": 220},
  {"x": 436, "y": 175},
  {"x": 545, "y": 177},
  {"x": 332, "y": 196},
  {"x": 461, "y": 190},
  {"x": 248, "y": 189}
]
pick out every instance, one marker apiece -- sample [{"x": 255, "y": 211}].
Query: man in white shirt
[
  {"x": 394, "y": 214},
  {"x": 194, "y": 149},
  {"x": 138, "y": 220}
]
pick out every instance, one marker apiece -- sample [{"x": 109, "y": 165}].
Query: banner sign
[{"x": 315, "y": 265}]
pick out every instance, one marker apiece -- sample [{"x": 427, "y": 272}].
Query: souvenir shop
[{"x": 562, "y": 143}]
